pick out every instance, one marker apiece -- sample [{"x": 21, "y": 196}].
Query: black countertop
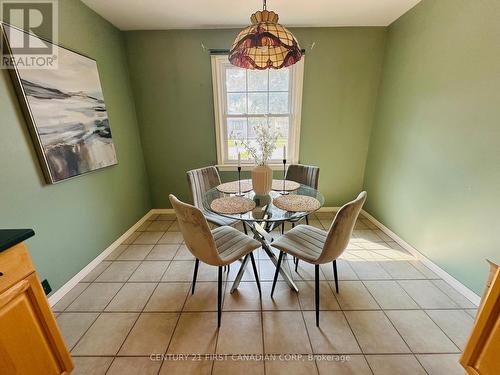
[{"x": 11, "y": 237}]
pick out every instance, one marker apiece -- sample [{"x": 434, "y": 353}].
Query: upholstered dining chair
[
  {"x": 306, "y": 175},
  {"x": 316, "y": 246},
  {"x": 200, "y": 181},
  {"x": 219, "y": 247}
]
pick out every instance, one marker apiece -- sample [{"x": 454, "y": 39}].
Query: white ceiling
[{"x": 198, "y": 14}]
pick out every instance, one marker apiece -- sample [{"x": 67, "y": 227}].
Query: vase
[{"x": 262, "y": 179}]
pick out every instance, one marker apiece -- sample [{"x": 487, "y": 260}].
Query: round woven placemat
[
  {"x": 232, "y": 205},
  {"x": 296, "y": 203},
  {"x": 232, "y": 187},
  {"x": 289, "y": 185}
]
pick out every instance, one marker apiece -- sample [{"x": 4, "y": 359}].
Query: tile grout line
[
  {"x": 221, "y": 313},
  {"x": 180, "y": 312},
  {"x": 73, "y": 300},
  {"x": 264, "y": 310},
  {"x": 136, "y": 319},
  {"x": 357, "y": 341},
  {"x": 117, "y": 256},
  {"x": 433, "y": 281},
  {"x": 305, "y": 324},
  {"x": 183, "y": 306},
  {"x": 349, "y": 325},
  {"x": 90, "y": 325},
  {"x": 330, "y": 353},
  {"x": 261, "y": 313},
  {"x": 421, "y": 309},
  {"x": 260, "y": 301},
  {"x": 411, "y": 353},
  {"x": 100, "y": 273},
  {"x": 99, "y": 313},
  {"x": 420, "y": 363},
  {"x": 173, "y": 332},
  {"x": 390, "y": 321},
  {"x": 147, "y": 301},
  {"x": 131, "y": 328},
  {"x": 397, "y": 331},
  {"x": 144, "y": 307},
  {"x": 442, "y": 330},
  {"x": 103, "y": 311}
]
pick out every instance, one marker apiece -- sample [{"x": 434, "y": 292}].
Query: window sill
[{"x": 247, "y": 167}]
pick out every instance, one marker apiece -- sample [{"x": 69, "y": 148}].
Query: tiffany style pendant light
[{"x": 265, "y": 44}]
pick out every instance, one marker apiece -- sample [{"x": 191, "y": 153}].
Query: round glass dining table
[{"x": 264, "y": 218}]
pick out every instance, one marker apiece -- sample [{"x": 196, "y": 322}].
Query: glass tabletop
[{"x": 265, "y": 210}]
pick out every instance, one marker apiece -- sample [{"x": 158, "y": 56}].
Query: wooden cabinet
[
  {"x": 30, "y": 341},
  {"x": 482, "y": 353}
]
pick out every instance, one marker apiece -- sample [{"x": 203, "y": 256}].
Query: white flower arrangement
[{"x": 266, "y": 143}]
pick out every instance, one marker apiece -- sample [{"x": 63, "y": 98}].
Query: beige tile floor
[{"x": 392, "y": 316}]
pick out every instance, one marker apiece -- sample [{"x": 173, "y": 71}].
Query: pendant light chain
[{"x": 265, "y": 5}]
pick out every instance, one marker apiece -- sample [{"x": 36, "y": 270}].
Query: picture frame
[{"x": 65, "y": 111}]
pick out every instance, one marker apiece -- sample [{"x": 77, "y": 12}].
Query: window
[{"x": 244, "y": 98}]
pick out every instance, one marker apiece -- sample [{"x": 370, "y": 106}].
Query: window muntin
[{"x": 248, "y": 97}]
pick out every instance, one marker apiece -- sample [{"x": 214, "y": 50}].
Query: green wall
[
  {"x": 172, "y": 81},
  {"x": 433, "y": 170},
  {"x": 422, "y": 95},
  {"x": 77, "y": 219}
]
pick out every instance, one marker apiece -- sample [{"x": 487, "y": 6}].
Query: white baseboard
[
  {"x": 59, "y": 293},
  {"x": 457, "y": 285}
]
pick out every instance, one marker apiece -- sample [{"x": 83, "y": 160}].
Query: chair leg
[
  {"x": 307, "y": 219},
  {"x": 195, "y": 274},
  {"x": 256, "y": 274},
  {"x": 277, "y": 272},
  {"x": 219, "y": 296},
  {"x": 296, "y": 263},
  {"x": 316, "y": 291},
  {"x": 336, "y": 276},
  {"x": 293, "y": 225},
  {"x": 228, "y": 268},
  {"x": 283, "y": 228},
  {"x": 245, "y": 228}
]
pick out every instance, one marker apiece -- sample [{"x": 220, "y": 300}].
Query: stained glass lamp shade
[{"x": 265, "y": 44}]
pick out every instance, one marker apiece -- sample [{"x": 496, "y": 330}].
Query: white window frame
[{"x": 219, "y": 64}]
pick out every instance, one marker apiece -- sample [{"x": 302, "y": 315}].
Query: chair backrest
[
  {"x": 197, "y": 235},
  {"x": 341, "y": 229},
  {"x": 200, "y": 181},
  {"x": 303, "y": 174}
]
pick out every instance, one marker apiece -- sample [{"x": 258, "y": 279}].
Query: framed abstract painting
[{"x": 65, "y": 111}]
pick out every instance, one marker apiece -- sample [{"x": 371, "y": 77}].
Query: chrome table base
[{"x": 262, "y": 235}]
